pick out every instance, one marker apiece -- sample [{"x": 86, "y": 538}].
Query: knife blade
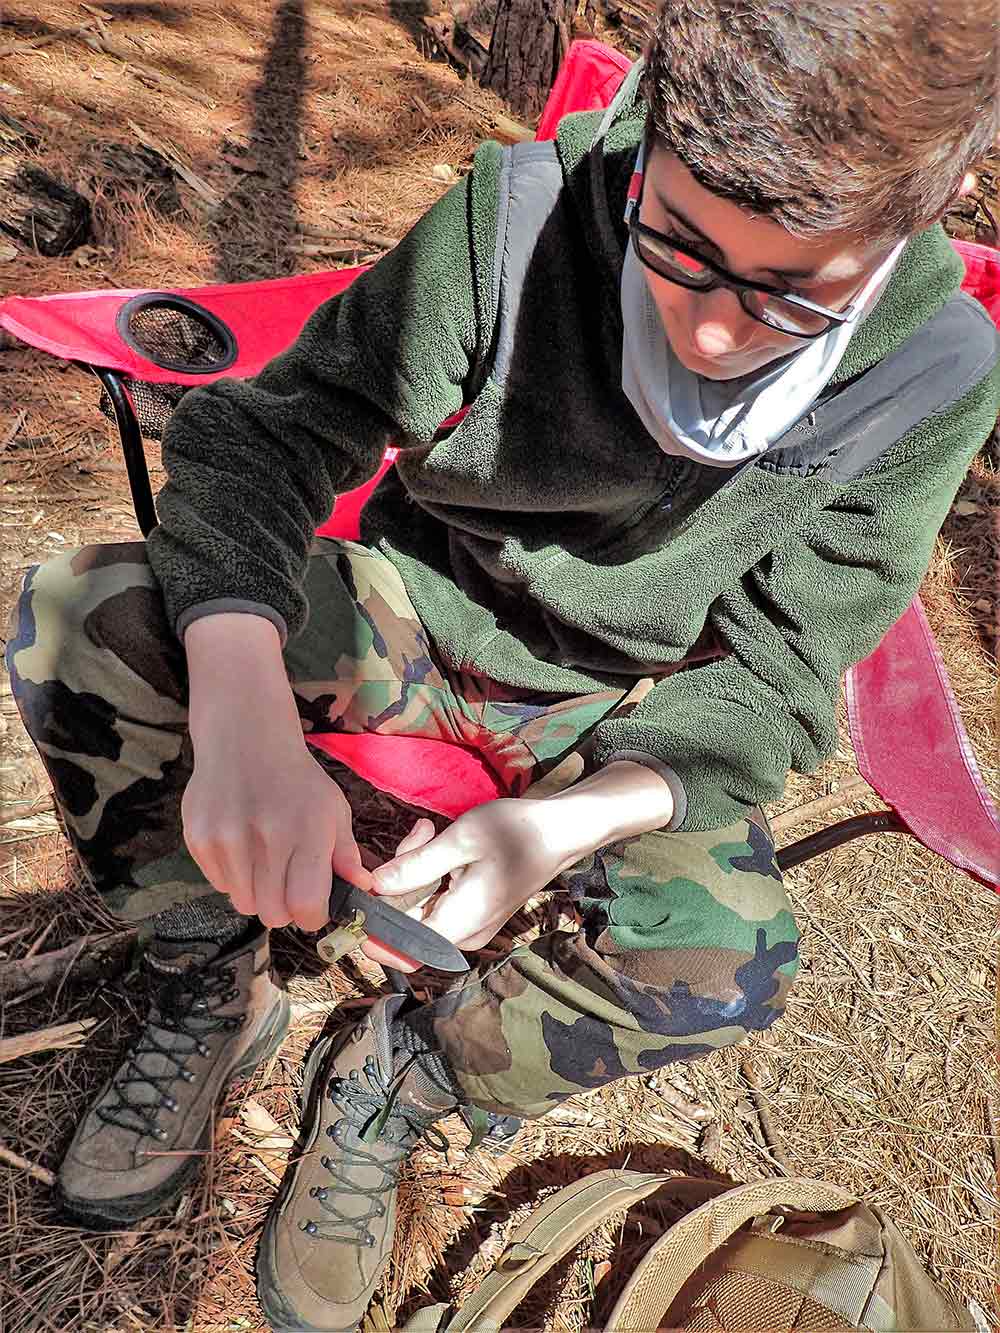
[{"x": 366, "y": 913}]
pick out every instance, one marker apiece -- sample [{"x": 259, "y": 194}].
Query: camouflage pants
[{"x": 688, "y": 941}]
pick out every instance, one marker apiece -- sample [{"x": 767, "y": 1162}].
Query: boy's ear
[{"x": 970, "y": 182}]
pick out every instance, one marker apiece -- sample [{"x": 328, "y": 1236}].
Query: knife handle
[{"x": 402, "y": 901}]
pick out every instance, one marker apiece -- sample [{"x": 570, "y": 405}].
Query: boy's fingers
[
  {"x": 347, "y": 862},
  {"x": 420, "y": 868},
  {"x": 381, "y": 953},
  {"x": 269, "y": 893},
  {"x": 231, "y": 876},
  {"x": 307, "y": 887},
  {"x": 464, "y": 911}
]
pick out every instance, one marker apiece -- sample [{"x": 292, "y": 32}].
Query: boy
[{"x": 722, "y": 395}]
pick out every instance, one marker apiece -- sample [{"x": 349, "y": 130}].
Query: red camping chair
[{"x": 147, "y": 347}]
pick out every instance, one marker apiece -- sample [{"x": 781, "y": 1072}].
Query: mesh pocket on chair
[
  {"x": 154, "y": 405},
  {"x": 176, "y": 333}
]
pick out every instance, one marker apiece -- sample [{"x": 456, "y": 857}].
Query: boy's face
[{"x": 710, "y": 332}]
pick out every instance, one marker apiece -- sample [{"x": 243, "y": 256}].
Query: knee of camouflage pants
[
  {"x": 100, "y": 681},
  {"x": 688, "y": 945}
]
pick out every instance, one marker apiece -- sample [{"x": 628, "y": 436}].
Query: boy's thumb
[{"x": 422, "y": 868}]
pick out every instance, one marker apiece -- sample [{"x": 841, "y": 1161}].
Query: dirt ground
[{"x": 305, "y": 134}]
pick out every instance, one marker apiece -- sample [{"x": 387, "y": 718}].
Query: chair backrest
[{"x": 913, "y": 749}]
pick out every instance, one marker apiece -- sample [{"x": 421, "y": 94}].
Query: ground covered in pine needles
[{"x": 300, "y": 137}]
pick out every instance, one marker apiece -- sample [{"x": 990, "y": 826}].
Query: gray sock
[
  {"x": 412, "y": 1034},
  {"x": 210, "y": 918}
]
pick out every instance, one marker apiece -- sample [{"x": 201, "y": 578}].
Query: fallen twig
[
  {"x": 90, "y": 958},
  {"x": 346, "y": 231},
  {"x": 29, "y": 1168},
  {"x": 330, "y": 251},
  {"x": 200, "y": 187},
  {"x": 99, "y": 42},
  {"x": 34, "y": 43},
  {"x": 822, "y": 805},
  {"x": 37, "y": 944},
  {"x": 12, "y": 433},
  {"x": 764, "y": 1116}
]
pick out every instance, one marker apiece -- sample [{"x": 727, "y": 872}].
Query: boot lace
[
  {"x": 370, "y": 1114},
  {"x": 186, "y": 1008}
]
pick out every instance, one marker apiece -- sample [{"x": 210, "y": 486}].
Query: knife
[{"x": 354, "y": 914}]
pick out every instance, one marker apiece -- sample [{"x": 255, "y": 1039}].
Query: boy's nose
[{"x": 721, "y": 326}]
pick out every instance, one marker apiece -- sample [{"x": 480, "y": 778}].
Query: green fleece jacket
[{"x": 532, "y": 539}]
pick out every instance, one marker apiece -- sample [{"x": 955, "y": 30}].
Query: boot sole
[
  {"x": 113, "y": 1213},
  {"x": 280, "y": 1316}
]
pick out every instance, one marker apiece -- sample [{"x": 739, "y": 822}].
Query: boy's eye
[
  {"x": 665, "y": 244},
  {"x": 692, "y": 263}
]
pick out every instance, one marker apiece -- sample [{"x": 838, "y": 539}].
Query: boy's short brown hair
[{"x": 857, "y": 116}]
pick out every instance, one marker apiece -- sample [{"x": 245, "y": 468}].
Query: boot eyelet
[
  {"x": 169, "y": 1104},
  {"x": 325, "y": 1162},
  {"x": 331, "y": 1131},
  {"x": 159, "y": 1134},
  {"x": 187, "y": 1075},
  {"x": 369, "y": 1239},
  {"x": 202, "y": 1049},
  {"x": 380, "y": 1210},
  {"x": 317, "y": 1192},
  {"x": 199, "y": 1006},
  {"x": 308, "y": 1227},
  {"x": 355, "y": 1075}
]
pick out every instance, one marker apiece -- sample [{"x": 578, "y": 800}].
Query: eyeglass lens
[{"x": 689, "y": 272}]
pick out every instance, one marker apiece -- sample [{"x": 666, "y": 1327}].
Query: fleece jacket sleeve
[
  {"x": 732, "y": 729},
  {"x": 254, "y": 466}
]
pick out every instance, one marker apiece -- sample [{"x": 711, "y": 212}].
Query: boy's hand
[
  {"x": 501, "y": 854},
  {"x": 261, "y": 818},
  {"x": 498, "y": 856}
]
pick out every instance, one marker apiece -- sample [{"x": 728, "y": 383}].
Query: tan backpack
[{"x": 773, "y": 1255}]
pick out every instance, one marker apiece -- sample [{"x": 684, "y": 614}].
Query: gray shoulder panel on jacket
[
  {"x": 854, "y": 424},
  {"x": 531, "y": 181}
]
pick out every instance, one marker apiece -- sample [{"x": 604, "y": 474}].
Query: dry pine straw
[{"x": 881, "y": 1075}]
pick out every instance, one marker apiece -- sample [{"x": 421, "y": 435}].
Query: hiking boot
[
  {"x": 329, "y": 1233},
  {"x": 213, "y": 1018}
]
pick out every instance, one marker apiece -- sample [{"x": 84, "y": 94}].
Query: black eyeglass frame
[{"x": 722, "y": 278}]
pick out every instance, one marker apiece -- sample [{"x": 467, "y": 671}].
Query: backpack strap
[{"x": 542, "y": 1239}]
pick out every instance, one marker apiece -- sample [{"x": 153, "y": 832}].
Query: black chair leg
[
  {"x": 131, "y": 441},
  {"x": 880, "y": 821}
]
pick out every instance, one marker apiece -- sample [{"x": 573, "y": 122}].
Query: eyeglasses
[{"x": 679, "y": 262}]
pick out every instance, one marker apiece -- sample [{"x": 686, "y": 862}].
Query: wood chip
[{"x": 62, "y": 1037}]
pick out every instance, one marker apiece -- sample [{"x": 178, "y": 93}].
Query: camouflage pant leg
[
  {"x": 688, "y": 945},
  {"x": 101, "y": 683}
]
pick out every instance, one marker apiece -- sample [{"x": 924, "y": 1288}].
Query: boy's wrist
[
  {"x": 235, "y": 659},
  {"x": 621, "y": 800}
]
